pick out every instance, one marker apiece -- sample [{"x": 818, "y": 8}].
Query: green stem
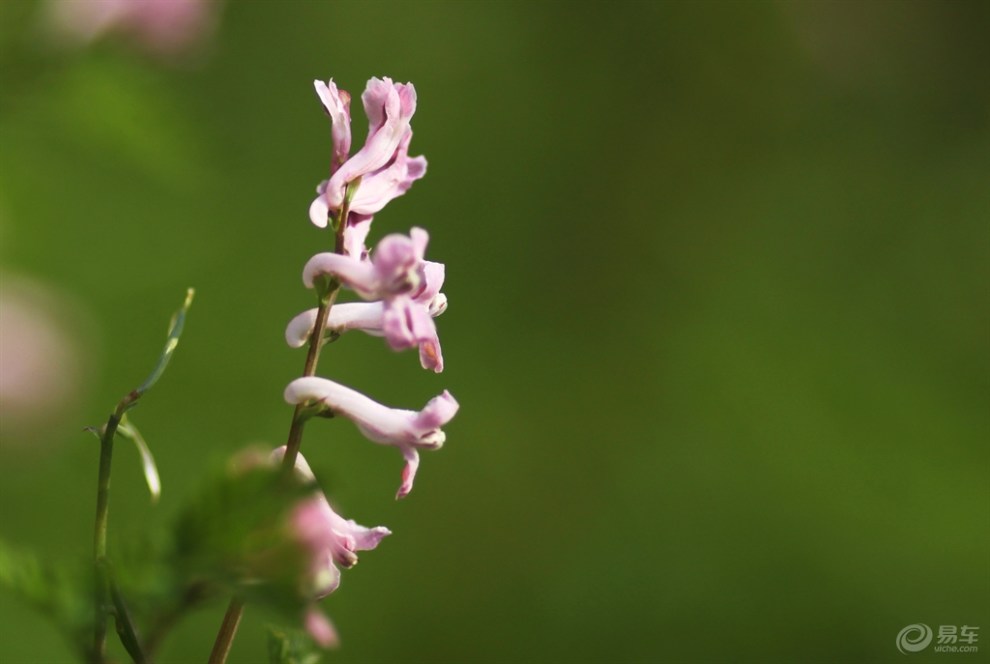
[
  {"x": 232, "y": 618},
  {"x": 125, "y": 626},
  {"x": 107, "y": 598},
  {"x": 103, "y": 599}
]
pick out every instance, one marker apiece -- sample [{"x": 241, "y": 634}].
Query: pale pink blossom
[
  {"x": 408, "y": 430},
  {"x": 390, "y": 181},
  {"x": 43, "y": 339},
  {"x": 396, "y": 267},
  {"x": 163, "y": 26},
  {"x": 317, "y": 525},
  {"x": 338, "y": 106},
  {"x": 327, "y": 540},
  {"x": 383, "y": 164},
  {"x": 355, "y": 234},
  {"x": 320, "y": 628},
  {"x": 404, "y": 321},
  {"x": 407, "y": 323}
]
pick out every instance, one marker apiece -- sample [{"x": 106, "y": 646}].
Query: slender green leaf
[
  {"x": 171, "y": 342},
  {"x": 129, "y": 431}
]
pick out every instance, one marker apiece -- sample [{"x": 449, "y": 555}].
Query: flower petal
[
  {"x": 407, "y": 323},
  {"x": 337, "y": 104},
  {"x": 411, "y": 455},
  {"x": 299, "y": 328},
  {"x": 439, "y": 411},
  {"x": 355, "y": 234},
  {"x": 357, "y": 275},
  {"x": 390, "y": 107},
  {"x": 389, "y": 182},
  {"x": 321, "y": 629},
  {"x": 319, "y": 213}
]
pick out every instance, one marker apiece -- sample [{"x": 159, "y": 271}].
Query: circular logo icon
[{"x": 914, "y": 638}]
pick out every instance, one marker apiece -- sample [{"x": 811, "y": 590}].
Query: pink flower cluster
[{"x": 400, "y": 296}]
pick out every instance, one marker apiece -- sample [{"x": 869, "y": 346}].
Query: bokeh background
[{"x": 718, "y": 275}]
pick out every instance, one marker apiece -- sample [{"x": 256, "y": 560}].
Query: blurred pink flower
[
  {"x": 327, "y": 540},
  {"x": 408, "y": 430},
  {"x": 162, "y": 26},
  {"x": 40, "y": 356}
]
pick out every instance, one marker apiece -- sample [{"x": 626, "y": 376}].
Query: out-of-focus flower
[
  {"x": 320, "y": 628},
  {"x": 162, "y": 26},
  {"x": 383, "y": 165},
  {"x": 40, "y": 355},
  {"x": 404, "y": 321},
  {"x": 396, "y": 267},
  {"x": 408, "y": 430},
  {"x": 327, "y": 540}
]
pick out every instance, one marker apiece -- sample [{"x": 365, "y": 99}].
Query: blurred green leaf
[
  {"x": 234, "y": 533},
  {"x": 62, "y": 593},
  {"x": 291, "y": 646}
]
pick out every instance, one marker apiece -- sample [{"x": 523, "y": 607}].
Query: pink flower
[
  {"x": 338, "y": 106},
  {"x": 396, "y": 267},
  {"x": 326, "y": 538},
  {"x": 408, "y": 430},
  {"x": 407, "y": 323},
  {"x": 321, "y": 629},
  {"x": 404, "y": 321},
  {"x": 383, "y": 165},
  {"x": 163, "y": 26}
]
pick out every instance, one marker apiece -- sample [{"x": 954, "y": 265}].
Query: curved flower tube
[
  {"x": 408, "y": 430},
  {"x": 396, "y": 267},
  {"x": 364, "y": 316}
]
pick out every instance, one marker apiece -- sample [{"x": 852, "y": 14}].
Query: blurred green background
[{"x": 718, "y": 324}]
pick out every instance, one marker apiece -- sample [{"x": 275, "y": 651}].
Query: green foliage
[
  {"x": 61, "y": 592},
  {"x": 234, "y": 534},
  {"x": 291, "y": 646}
]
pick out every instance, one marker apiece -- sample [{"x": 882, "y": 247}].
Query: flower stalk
[
  {"x": 294, "y": 439},
  {"x": 402, "y": 294},
  {"x": 235, "y": 609}
]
